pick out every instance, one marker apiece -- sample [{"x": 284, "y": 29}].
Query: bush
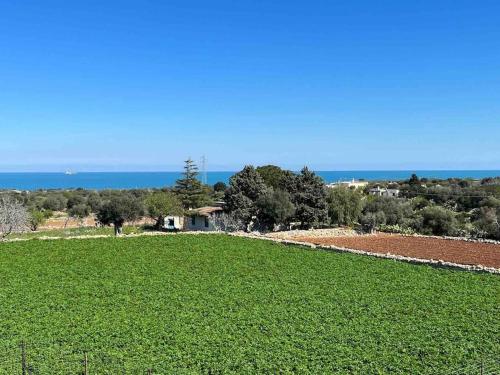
[
  {"x": 396, "y": 211},
  {"x": 438, "y": 221}
]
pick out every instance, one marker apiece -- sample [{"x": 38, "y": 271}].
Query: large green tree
[
  {"x": 191, "y": 191},
  {"x": 274, "y": 176},
  {"x": 275, "y": 209},
  {"x": 245, "y": 188},
  {"x": 308, "y": 193}
]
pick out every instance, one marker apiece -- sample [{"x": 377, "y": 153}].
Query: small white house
[
  {"x": 202, "y": 219},
  {"x": 174, "y": 223},
  {"x": 384, "y": 192}
]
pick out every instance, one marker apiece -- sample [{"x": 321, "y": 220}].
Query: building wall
[{"x": 199, "y": 223}]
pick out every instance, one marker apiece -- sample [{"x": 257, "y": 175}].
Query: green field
[{"x": 214, "y": 303}]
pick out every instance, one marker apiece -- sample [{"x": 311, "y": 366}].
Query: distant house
[
  {"x": 174, "y": 223},
  {"x": 202, "y": 219},
  {"x": 350, "y": 184},
  {"x": 384, "y": 192}
]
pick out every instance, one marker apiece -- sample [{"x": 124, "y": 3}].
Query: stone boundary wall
[{"x": 431, "y": 262}]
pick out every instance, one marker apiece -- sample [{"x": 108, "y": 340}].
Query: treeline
[
  {"x": 269, "y": 198},
  {"x": 110, "y": 207}
]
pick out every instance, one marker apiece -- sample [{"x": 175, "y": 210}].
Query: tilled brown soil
[{"x": 455, "y": 251}]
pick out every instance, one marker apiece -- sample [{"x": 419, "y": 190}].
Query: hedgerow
[{"x": 213, "y": 303}]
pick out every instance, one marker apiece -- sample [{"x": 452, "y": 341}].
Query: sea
[{"x": 138, "y": 180}]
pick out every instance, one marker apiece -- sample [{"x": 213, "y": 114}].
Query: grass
[
  {"x": 214, "y": 303},
  {"x": 70, "y": 232}
]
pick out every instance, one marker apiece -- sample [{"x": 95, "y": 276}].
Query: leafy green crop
[{"x": 213, "y": 303}]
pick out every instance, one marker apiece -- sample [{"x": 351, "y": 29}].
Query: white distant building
[
  {"x": 349, "y": 184},
  {"x": 202, "y": 219},
  {"x": 384, "y": 192}
]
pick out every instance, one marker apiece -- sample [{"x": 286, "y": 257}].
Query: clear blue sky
[{"x": 141, "y": 85}]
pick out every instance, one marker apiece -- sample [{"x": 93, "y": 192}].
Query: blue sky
[{"x": 337, "y": 85}]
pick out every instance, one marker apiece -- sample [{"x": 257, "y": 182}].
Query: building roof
[{"x": 206, "y": 211}]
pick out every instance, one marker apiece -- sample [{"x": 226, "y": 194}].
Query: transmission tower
[{"x": 204, "y": 169}]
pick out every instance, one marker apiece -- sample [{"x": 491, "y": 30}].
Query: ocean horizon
[{"x": 139, "y": 180}]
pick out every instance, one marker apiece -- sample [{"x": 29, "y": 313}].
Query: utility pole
[{"x": 204, "y": 170}]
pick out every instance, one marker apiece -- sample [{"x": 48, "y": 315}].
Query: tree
[
  {"x": 273, "y": 176},
  {"x": 162, "y": 204},
  {"x": 118, "y": 210},
  {"x": 245, "y": 188},
  {"x": 54, "y": 202},
  {"x": 308, "y": 193},
  {"x": 220, "y": 186},
  {"x": 13, "y": 216},
  {"x": 275, "y": 209},
  {"x": 190, "y": 190},
  {"x": 439, "y": 221},
  {"x": 370, "y": 220},
  {"x": 344, "y": 205},
  {"x": 414, "y": 180},
  {"x": 37, "y": 218},
  {"x": 396, "y": 211},
  {"x": 79, "y": 211}
]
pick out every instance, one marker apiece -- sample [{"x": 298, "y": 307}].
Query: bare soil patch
[{"x": 456, "y": 251}]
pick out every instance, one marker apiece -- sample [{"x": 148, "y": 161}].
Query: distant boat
[{"x": 69, "y": 172}]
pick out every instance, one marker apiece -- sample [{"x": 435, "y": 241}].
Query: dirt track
[{"x": 462, "y": 252}]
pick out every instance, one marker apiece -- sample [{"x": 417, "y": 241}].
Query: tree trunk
[{"x": 118, "y": 228}]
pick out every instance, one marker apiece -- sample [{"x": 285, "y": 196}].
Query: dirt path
[{"x": 462, "y": 252}]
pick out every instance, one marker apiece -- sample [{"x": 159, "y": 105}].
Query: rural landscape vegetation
[
  {"x": 249, "y": 187},
  {"x": 211, "y": 303}
]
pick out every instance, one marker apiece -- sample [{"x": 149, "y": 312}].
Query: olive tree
[
  {"x": 13, "y": 216},
  {"x": 119, "y": 209}
]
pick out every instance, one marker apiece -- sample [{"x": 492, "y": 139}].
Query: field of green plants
[{"x": 214, "y": 303}]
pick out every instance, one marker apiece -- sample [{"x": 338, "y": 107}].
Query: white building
[
  {"x": 384, "y": 192},
  {"x": 202, "y": 219},
  {"x": 349, "y": 184},
  {"x": 174, "y": 223}
]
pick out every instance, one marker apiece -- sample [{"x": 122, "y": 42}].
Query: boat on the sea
[{"x": 69, "y": 172}]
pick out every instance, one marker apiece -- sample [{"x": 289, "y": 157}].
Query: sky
[{"x": 335, "y": 85}]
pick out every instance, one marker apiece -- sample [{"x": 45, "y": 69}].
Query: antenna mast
[{"x": 204, "y": 169}]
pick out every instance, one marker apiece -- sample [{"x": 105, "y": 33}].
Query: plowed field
[{"x": 462, "y": 252}]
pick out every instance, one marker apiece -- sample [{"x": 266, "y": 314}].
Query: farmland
[{"x": 200, "y": 303}]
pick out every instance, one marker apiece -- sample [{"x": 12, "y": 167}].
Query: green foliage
[
  {"x": 438, "y": 221},
  {"x": 37, "y": 218},
  {"x": 344, "y": 205},
  {"x": 161, "y": 204},
  {"x": 190, "y": 190},
  {"x": 54, "y": 202},
  {"x": 308, "y": 194},
  {"x": 371, "y": 220},
  {"x": 414, "y": 180},
  {"x": 220, "y": 186},
  {"x": 245, "y": 188},
  {"x": 217, "y": 304},
  {"x": 275, "y": 209},
  {"x": 274, "y": 176},
  {"x": 118, "y": 209},
  {"x": 396, "y": 211}
]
